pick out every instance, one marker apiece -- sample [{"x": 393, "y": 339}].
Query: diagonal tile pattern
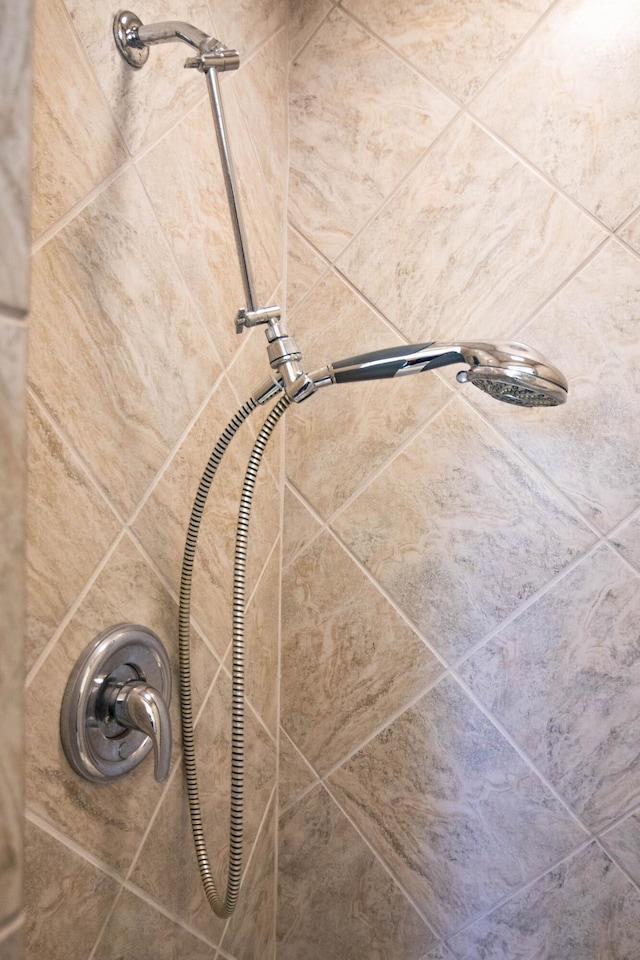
[
  {"x": 462, "y": 504},
  {"x": 452, "y": 809},
  {"x": 380, "y": 102}
]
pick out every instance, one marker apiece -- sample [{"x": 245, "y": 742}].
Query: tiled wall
[
  {"x": 460, "y": 760},
  {"x": 15, "y": 99},
  {"x": 135, "y": 287}
]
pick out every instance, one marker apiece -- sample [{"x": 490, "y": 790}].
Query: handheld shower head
[{"x": 510, "y": 372}]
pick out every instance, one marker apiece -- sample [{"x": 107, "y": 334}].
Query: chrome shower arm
[{"x": 172, "y": 30}]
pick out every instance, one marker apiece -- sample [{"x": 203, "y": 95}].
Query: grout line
[
  {"x": 102, "y": 929},
  {"x": 38, "y": 821},
  {"x": 616, "y": 860},
  {"x": 316, "y": 777},
  {"x": 12, "y": 925},
  {"x": 71, "y": 612},
  {"x": 305, "y": 43}
]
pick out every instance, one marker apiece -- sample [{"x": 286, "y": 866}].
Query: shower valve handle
[{"x": 138, "y": 706}]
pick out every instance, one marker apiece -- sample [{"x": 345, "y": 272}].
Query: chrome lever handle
[{"x": 141, "y": 707}]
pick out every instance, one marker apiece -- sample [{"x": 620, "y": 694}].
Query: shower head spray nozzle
[{"x": 510, "y": 372}]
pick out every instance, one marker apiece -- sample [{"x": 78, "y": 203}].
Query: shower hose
[{"x": 222, "y": 907}]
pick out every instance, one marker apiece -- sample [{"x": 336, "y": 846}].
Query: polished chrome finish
[
  {"x": 114, "y": 708},
  {"x": 230, "y": 185},
  {"x": 152, "y": 33},
  {"x": 125, "y": 34},
  {"x": 511, "y": 372},
  {"x": 255, "y": 318},
  {"x": 221, "y": 59}
]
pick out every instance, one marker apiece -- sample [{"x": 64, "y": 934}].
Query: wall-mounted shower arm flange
[{"x": 133, "y": 39}]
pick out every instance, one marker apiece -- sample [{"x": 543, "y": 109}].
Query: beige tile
[
  {"x": 380, "y": 108},
  {"x": 564, "y": 679},
  {"x": 163, "y": 523},
  {"x": 182, "y": 175},
  {"x": 335, "y": 898},
  {"x": 65, "y": 509},
  {"x": 117, "y": 354},
  {"x": 305, "y": 16},
  {"x": 457, "y": 45},
  {"x": 107, "y": 819},
  {"x": 452, "y": 809},
  {"x": 584, "y": 908},
  {"x": 76, "y": 143},
  {"x": 12, "y": 478},
  {"x": 299, "y": 526},
  {"x": 294, "y": 775},
  {"x": 304, "y": 268},
  {"x": 168, "y": 850},
  {"x": 631, "y": 233},
  {"x": 624, "y": 843},
  {"x": 155, "y": 936},
  {"x": 144, "y": 102},
  {"x": 12, "y": 944},
  {"x": 262, "y": 632},
  {"x": 576, "y": 117},
  {"x": 245, "y": 24},
  {"x": 67, "y": 899},
  {"x": 337, "y": 439},
  {"x": 439, "y": 953},
  {"x": 15, "y": 151},
  {"x": 475, "y": 250},
  {"x": 590, "y": 446},
  {"x": 462, "y": 505},
  {"x": 348, "y": 661},
  {"x": 250, "y": 933}
]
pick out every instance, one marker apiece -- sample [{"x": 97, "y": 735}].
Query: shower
[{"x": 510, "y": 372}]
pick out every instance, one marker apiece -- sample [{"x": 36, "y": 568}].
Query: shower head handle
[{"x": 507, "y": 371}]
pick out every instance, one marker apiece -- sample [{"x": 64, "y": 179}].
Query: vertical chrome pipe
[{"x": 229, "y": 181}]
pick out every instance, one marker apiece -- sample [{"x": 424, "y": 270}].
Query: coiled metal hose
[{"x": 221, "y": 907}]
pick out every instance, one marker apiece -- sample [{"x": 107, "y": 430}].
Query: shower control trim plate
[{"x": 115, "y": 706}]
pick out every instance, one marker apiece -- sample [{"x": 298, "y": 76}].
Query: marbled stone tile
[
  {"x": 304, "y": 268},
  {"x": 335, "y": 899},
  {"x": 15, "y": 151},
  {"x": 299, "y": 526},
  {"x": 117, "y": 354},
  {"x": 168, "y": 849},
  {"x": 76, "y": 143},
  {"x": 60, "y": 885},
  {"x": 564, "y": 679},
  {"x": 463, "y": 505},
  {"x": 182, "y": 175},
  {"x": 627, "y": 540},
  {"x": 262, "y": 634},
  {"x": 475, "y": 250},
  {"x": 107, "y": 819},
  {"x": 458, "y": 45},
  {"x": 163, "y": 522},
  {"x": 12, "y": 945},
  {"x": 584, "y": 908},
  {"x": 246, "y": 24},
  {"x": 439, "y": 953},
  {"x": 386, "y": 114},
  {"x": 65, "y": 508},
  {"x": 304, "y": 18},
  {"x": 631, "y": 233},
  {"x": 337, "y": 439},
  {"x": 623, "y": 841},
  {"x": 144, "y": 102},
  {"x": 294, "y": 775},
  {"x": 590, "y": 446},
  {"x": 251, "y": 931},
  {"x": 135, "y": 922},
  {"x": 12, "y": 479},
  {"x": 567, "y": 101},
  {"x": 349, "y": 662},
  {"x": 452, "y": 809}
]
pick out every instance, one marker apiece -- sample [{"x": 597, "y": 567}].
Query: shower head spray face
[{"x": 514, "y": 374}]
